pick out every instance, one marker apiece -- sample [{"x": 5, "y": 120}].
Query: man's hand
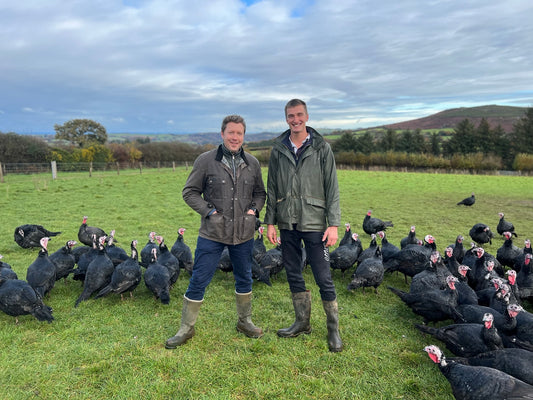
[
  {"x": 330, "y": 236},
  {"x": 272, "y": 235}
]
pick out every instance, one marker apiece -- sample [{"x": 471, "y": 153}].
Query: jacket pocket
[
  {"x": 314, "y": 212},
  {"x": 247, "y": 227},
  {"x": 214, "y": 226}
]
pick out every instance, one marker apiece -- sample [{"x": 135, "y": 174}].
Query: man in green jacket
[{"x": 303, "y": 200}]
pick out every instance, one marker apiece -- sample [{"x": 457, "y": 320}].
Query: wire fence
[{"x": 56, "y": 167}]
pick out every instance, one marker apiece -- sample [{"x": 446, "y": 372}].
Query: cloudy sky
[{"x": 180, "y": 66}]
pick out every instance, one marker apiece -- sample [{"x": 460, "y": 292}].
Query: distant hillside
[
  {"x": 505, "y": 116},
  {"x": 495, "y": 115}
]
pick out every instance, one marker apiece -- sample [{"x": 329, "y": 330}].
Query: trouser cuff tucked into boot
[
  {"x": 301, "y": 302},
  {"x": 332, "y": 313},
  {"x": 244, "y": 312}
]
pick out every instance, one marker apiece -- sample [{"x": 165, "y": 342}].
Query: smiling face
[
  {"x": 297, "y": 118},
  {"x": 233, "y": 136}
]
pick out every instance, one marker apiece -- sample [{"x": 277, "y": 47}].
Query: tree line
[
  {"x": 473, "y": 147},
  {"x": 468, "y": 146}
]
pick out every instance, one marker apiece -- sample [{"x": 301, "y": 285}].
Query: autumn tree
[{"x": 82, "y": 132}]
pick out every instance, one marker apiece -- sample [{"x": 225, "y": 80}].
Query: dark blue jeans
[
  {"x": 206, "y": 259},
  {"x": 318, "y": 256}
]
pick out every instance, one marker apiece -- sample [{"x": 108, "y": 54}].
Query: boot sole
[{"x": 294, "y": 334}]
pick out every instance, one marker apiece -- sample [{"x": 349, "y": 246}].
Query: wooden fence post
[
  {"x": 1, "y": 173},
  {"x": 54, "y": 170},
  {"x": 90, "y": 169},
  {"x": 141, "y": 167},
  {"x": 117, "y": 169},
  {"x": 173, "y": 166}
]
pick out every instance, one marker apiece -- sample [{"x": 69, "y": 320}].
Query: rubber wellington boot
[
  {"x": 332, "y": 313},
  {"x": 190, "y": 311},
  {"x": 302, "y": 309},
  {"x": 244, "y": 311}
]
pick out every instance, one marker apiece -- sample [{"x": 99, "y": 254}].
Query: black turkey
[
  {"x": 507, "y": 253},
  {"x": 146, "y": 252},
  {"x": 505, "y": 226},
  {"x": 410, "y": 238},
  {"x": 271, "y": 264},
  {"x": 17, "y": 298},
  {"x": 524, "y": 278},
  {"x": 64, "y": 260},
  {"x": 126, "y": 276},
  {"x": 370, "y": 250},
  {"x": 388, "y": 250},
  {"x": 99, "y": 272},
  {"x": 168, "y": 259},
  {"x": 85, "y": 233},
  {"x": 85, "y": 259},
  {"x": 458, "y": 248},
  {"x": 433, "y": 277},
  {"x": 470, "y": 382},
  {"x": 259, "y": 248},
  {"x": 368, "y": 273},
  {"x": 30, "y": 235},
  {"x": 412, "y": 259},
  {"x": 512, "y": 361},
  {"x": 374, "y": 225},
  {"x": 481, "y": 234},
  {"x": 182, "y": 252},
  {"x": 467, "y": 339},
  {"x": 115, "y": 253},
  {"x": 345, "y": 256},
  {"x": 5, "y": 270},
  {"x": 347, "y": 237},
  {"x": 157, "y": 279},
  {"x": 224, "y": 263},
  {"x": 465, "y": 293},
  {"x": 519, "y": 261},
  {"x": 451, "y": 261},
  {"x": 432, "y": 305},
  {"x": 41, "y": 274},
  {"x": 469, "y": 201}
]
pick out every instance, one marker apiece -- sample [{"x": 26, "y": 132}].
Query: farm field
[{"x": 114, "y": 349}]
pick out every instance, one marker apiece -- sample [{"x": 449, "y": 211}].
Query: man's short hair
[
  {"x": 294, "y": 103},
  {"x": 236, "y": 119}
]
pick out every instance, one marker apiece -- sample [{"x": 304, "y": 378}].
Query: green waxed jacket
[{"x": 307, "y": 193}]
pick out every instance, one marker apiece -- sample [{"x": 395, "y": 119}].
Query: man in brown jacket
[{"x": 226, "y": 188}]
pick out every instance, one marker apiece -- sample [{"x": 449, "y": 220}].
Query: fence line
[
  {"x": 37, "y": 168},
  {"x": 55, "y": 167}
]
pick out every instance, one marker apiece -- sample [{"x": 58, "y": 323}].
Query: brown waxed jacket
[{"x": 211, "y": 185}]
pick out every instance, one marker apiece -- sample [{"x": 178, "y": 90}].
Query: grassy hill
[{"x": 496, "y": 115}]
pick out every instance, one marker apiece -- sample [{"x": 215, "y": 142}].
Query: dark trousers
[
  {"x": 206, "y": 258},
  {"x": 318, "y": 256}
]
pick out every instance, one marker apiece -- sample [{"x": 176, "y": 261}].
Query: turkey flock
[{"x": 481, "y": 295}]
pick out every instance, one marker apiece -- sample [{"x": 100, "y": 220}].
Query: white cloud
[{"x": 356, "y": 63}]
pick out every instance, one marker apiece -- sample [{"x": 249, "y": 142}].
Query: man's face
[
  {"x": 297, "y": 118},
  {"x": 233, "y": 136}
]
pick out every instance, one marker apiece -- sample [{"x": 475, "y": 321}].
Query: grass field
[{"x": 113, "y": 349}]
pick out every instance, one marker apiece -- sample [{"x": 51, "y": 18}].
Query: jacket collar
[{"x": 220, "y": 154}]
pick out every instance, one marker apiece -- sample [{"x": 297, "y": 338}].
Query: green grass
[{"x": 113, "y": 349}]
